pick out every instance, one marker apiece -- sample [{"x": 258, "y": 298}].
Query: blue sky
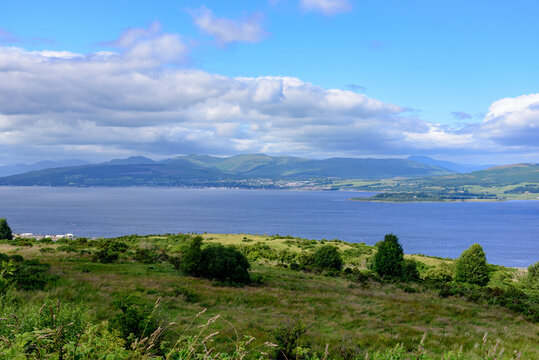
[{"x": 443, "y": 64}]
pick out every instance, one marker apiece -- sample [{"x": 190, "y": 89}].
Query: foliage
[
  {"x": 327, "y": 257},
  {"x": 389, "y": 258},
  {"x": 471, "y": 267},
  {"x": 409, "y": 271},
  {"x": 532, "y": 277},
  {"x": 442, "y": 272},
  {"x": 5, "y": 230},
  {"x": 110, "y": 251},
  {"x": 224, "y": 264},
  {"x": 192, "y": 257},
  {"x": 287, "y": 339},
  {"x": 133, "y": 320}
]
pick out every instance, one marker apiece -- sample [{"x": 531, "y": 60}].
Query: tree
[
  {"x": 327, "y": 257},
  {"x": 471, "y": 267},
  {"x": 389, "y": 259},
  {"x": 224, "y": 263},
  {"x": 5, "y": 230},
  {"x": 191, "y": 259}
]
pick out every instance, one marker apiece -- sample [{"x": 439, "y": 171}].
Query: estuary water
[{"x": 508, "y": 231}]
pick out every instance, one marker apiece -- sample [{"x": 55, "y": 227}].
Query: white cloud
[
  {"x": 60, "y": 104},
  {"x": 226, "y": 30},
  {"x": 327, "y": 7},
  {"x": 513, "y": 121}
]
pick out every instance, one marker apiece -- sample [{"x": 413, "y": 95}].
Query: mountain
[
  {"x": 459, "y": 168},
  {"x": 495, "y": 176},
  {"x": 203, "y": 170},
  {"x": 12, "y": 169}
]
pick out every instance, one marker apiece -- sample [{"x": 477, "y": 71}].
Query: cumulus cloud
[
  {"x": 129, "y": 101},
  {"x": 326, "y": 7},
  {"x": 513, "y": 121},
  {"x": 227, "y": 31}
]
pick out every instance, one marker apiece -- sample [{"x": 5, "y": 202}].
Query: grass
[{"x": 335, "y": 310}]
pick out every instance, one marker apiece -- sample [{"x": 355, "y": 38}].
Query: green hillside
[
  {"x": 235, "y": 171},
  {"x": 80, "y": 295}
]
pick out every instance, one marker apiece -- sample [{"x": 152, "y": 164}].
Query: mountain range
[{"x": 204, "y": 170}]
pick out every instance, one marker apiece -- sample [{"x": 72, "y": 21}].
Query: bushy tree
[
  {"x": 409, "y": 271},
  {"x": 215, "y": 261},
  {"x": 471, "y": 267},
  {"x": 191, "y": 258},
  {"x": 442, "y": 272},
  {"x": 224, "y": 263},
  {"x": 532, "y": 277},
  {"x": 5, "y": 230},
  {"x": 389, "y": 259},
  {"x": 327, "y": 257}
]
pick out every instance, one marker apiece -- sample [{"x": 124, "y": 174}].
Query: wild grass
[{"x": 365, "y": 318}]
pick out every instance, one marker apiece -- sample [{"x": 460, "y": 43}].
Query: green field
[{"x": 354, "y": 314}]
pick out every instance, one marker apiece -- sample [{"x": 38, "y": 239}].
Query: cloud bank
[{"x": 131, "y": 101}]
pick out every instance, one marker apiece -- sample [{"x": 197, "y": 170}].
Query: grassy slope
[{"x": 334, "y": 309}]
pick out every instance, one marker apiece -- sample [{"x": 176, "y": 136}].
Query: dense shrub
[
  {"x": 409, "y": 271},
  {"x": 327, "y": 257},
  {"x": 471, "y": 267},
  {"x": 110, "y": 251},
  {"x": 5, "y": 230},
  {"x": 440, "y": 273},
  {"x": 531, "y": 280},
  {"x": 389, "y": 258},
  {"x": 224, "y": 264},
  {"x": 134, "y": 319},
  {"x": 287, "y": 339},
  {"x": 191, "y": 259},
  {"x": 24, "y": 274},
  {"x": 215, "y": 261}
]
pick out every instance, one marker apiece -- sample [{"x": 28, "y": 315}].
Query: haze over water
[{"x": 506, "y": 230}]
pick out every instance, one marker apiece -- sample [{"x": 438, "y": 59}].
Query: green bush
[
  {"x": 471, "y": 267},
  {"x": 440, "y": 273},
  {"x": 134, "y": 319},
  {"x": 287, "y": 339},
  {"x": 389, "y": 258},
  {"x": 531, "y": 280},
  {"x": 215, "y": 261},
  {"x": 224, "y": 264},
  {"x": 327, "y": 257},
  {"x": 191, "y": 259},
  {"x": 5, "y": 230},
  {"x": 409, "y": 271},
  {"x": 110, "y": 251}
]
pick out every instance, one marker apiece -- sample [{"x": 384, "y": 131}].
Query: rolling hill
[{"x": 203, "y": 170}]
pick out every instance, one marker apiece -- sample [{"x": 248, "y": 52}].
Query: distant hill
[
  {"x": 459, "y": 168},
  {"x": 12, "y": 169},
  {"x": 494, "y": 176},
  {"x": 203, "y": 170}
]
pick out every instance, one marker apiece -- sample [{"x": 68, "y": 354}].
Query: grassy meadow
[{"x": 353, "y": 314}]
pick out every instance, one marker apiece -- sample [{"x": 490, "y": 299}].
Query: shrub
[
  {"x": 327, "y": 257},
  {"x": 5, "y": 230},
  {"x": 110, "y": 251},
  {"x": 389, "y": 258},
  {"x": 471, "y": 267},
  {"x": 532, "y": 277},
  {"x": 224, "y": 264},
  {"x": 216, "y": 261},
  {"x": 409, "y": 271},
  {"x": 134, "y": 320},
  {"x": 287, "y": 339},
  {"x": 193, "y": 255},
  {"x": 442, "y": 272}
]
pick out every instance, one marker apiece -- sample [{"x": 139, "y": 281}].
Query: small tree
[
  {"x": 471, "y": 267},
  {"x": 389, "y": 259},
  {"x": 5, "y": 230},
  {"x": 191, "y": 258},
  {"x": 327, "y": 257}
]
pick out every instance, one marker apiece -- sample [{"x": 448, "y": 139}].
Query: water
[{"x": 508, "y": 231}]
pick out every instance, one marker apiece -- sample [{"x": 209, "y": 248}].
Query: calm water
[{"x": 508, "y": 231}]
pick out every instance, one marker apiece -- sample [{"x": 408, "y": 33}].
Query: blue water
[{"x": 508, "y": 231}]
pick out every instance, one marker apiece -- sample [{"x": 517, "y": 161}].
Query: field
[{"x": 349, "y": 315}]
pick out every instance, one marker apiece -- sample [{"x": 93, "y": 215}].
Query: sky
[{"x": 95, "y": 80}]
